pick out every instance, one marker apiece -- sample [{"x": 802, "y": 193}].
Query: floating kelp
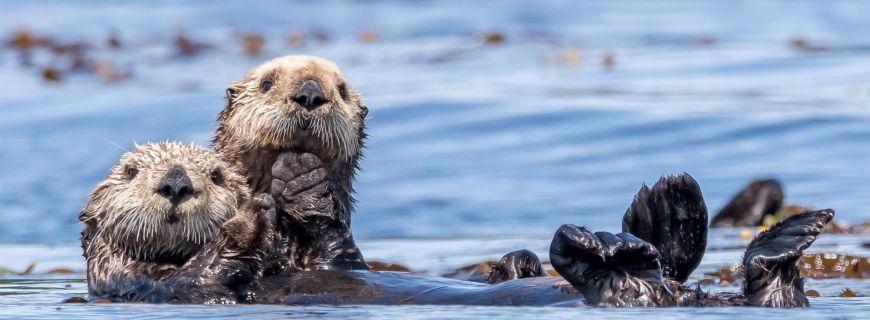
[
  {"x": 369, "y": 35},
  {"x": 187, "y": 47},
  {"x": 60, "y": 270},
  {"x": 32, "y": 267},
  {"x": 113, "y": 42},
  {"x": 108, "y": 72},
  {"x": 75, "y": 300},
  {"x": 476, "y": 270},
  {"x": 50, "y": 75},
  {"x": 832, "y": 227},
  {"x": 23, "y": 39},
  {"x": 848, "y": 293},
  {"x": 386, "y": 266},
  {"x": 802, "y": 44},
  {"x": 724, "y": 276},
  {"x": 252, "y": 44},
  {"x": 491, "y": 38},
  {"x": 301, "y": 37},
  {"x": 834, "y": 265},
  {"x": 608, "y": 61}
]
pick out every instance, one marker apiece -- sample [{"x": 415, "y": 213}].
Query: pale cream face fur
[
  {"x": 259, "y": 116},
  {"x": 134, "y": 218}
]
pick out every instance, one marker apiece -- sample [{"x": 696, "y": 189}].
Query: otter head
[
  {"x": 292, "y": 102},
  {"x": 164, "y": 201}
]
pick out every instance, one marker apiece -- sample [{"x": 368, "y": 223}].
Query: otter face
[
  {"x": 300, "y": 102},
  {"x": 164, "y": 201}
]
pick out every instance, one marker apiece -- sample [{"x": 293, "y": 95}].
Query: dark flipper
[
  {"x": 315, "y": 233},
  {"x": 672, "y": 217},
  {"x": 610, "y": 270},
  {"x": 772, "y": 276},
  {"x": 517, "y": 264},
  {"x": 749, "y": 207}
]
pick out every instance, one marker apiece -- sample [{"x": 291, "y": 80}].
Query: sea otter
[
  {"x": 663, "y": 240},
  {"x": 295, "y": 129},
  {"x": 165, "y": 226}
]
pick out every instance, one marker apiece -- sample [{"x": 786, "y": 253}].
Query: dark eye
[
  {"x": 342, "y": 91},
  {"x": 217, "y": 177},
  {"x": 265, "y": 86},
  {"x": 131, "y": 172}
]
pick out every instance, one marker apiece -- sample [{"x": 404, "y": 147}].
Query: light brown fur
[
  {"x": 263, "y": 130},
  {"x": 256, "y": 126},
  {"x": 128, "y": 233}
]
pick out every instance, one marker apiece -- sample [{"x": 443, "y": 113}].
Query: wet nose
[
  {"x": 309, "y": 95},
  {"x": 175, "y": 186}
]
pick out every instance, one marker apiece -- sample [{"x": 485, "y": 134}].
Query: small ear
[
  {"x": 364, "y": 112},
  {"x": 231, "y": 95},
  {"x": 89, "y": 211}
]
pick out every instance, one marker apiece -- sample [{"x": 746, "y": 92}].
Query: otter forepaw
[
  {"x": 610, "y": 269},
  {"x": 251, "y": 231},
  {"x": 770, "y": 262},
  {"x": 300, "y": 185},
  {"x": 516, "y": 265}
]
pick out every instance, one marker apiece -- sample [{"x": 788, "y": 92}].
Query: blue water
[{"x": 471, "y": 144}]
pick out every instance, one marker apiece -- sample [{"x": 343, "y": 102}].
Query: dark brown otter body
[
  {"x": 295, "y": 130},
  {"x": 163, "y": 227},
  {"x": 396, "y": 288},
  {"x": 609, "y": 270}
]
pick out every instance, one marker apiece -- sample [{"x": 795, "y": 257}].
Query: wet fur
[
  {"x": 268, "y": 138},
  {"x": 624, "y": 270},
  {"x": 262, "y": 133},
  {"x": 672, "y": 216},
  {"x": 134, "y": 254}
]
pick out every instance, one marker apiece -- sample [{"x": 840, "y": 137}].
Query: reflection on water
[{"x": 491, "y": 123}]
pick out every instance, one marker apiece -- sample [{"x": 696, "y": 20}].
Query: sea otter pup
[
  {"x": 164, "y": 226},
  {"x": 295, "y": 129},
  {"x": 609, "y": 270}
]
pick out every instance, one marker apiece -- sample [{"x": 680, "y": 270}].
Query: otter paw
[
  {"x": 252, "y": 225},
  {"x": 517, "y": 264},
  {"x": 610, "y": 269},
  {"x": 300, "y": 186}
]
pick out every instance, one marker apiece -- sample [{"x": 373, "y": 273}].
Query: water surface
[{"x": 474, "y": 149}]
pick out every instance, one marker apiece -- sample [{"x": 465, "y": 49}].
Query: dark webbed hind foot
[
  {"x": 611, "y": 270},
  {"x": 517, "y": 264},
  {"x": 772, "y": 276},
  {"x": 314, "y": 226},
  {"x": 672, "y": 217},
  {"x": 748, "y": 208}
]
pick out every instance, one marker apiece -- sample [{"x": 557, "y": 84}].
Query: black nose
[
  {"x": 309, "y": 95},
  {"x": 175, "y": 186}
]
